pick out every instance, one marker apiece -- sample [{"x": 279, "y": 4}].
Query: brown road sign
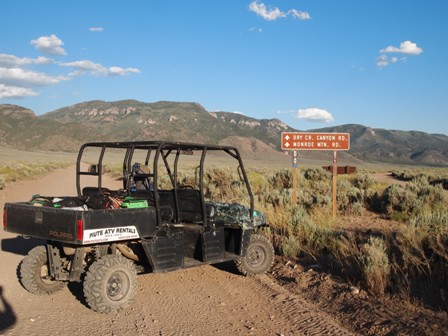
[{"x": 315, "y": 141}]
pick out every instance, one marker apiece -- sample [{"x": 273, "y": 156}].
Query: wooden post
[
  {"x": 294, "y": 178},
  {"x": 335, "y": 174}
]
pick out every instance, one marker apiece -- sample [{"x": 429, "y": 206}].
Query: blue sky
[{"x": 310, "y": 63}]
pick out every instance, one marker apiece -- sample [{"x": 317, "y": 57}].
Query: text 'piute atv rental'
[{"x": 168, "y": 213}]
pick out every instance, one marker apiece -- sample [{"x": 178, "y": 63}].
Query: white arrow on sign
[
  {"x": 287, "y": 145},
  {"x": 287, "y": 137}
]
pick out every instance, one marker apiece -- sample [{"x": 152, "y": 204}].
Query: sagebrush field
[{"x": 407, "y": 256}]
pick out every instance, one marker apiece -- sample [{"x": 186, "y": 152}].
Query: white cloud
[
  {"x": 268, "y": 14},
  {"x": 49, "y": 45},
  {"x": 314, "y": 114},
  {"x": 17, "y": 81},
  {"x": 86, "y": 66},
  {"x": 26, "y": 78},
  {"x": 384, "y": 60},
  {"x": 406, "y": 47},
  {"x": 96, "y": 69},
  {"x": 15, "y": 92},
  {"x": 96, "y": 29},
  {"x": 299, "y": 14},
  {"x": 255, "y": 29},
  {"x": 11, "y": 61},
  {"x": 117, "y": 71},
  {"x": 272, "y": 14}
]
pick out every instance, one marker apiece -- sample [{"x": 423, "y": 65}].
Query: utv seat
[{"x": 190, "y": 209}]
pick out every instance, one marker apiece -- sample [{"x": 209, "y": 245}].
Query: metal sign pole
[
  {"x": 294, "y": 177},
  {"x": 335, "y": 173}
]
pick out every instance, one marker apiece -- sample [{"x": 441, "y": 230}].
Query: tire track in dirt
[{"x": 304, "y": 316}]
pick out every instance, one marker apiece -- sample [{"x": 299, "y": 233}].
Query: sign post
[
  {"x": 316, "y": 141},
  {"x": 294, "y": 177},
  {"x": 335, "y": 173}
]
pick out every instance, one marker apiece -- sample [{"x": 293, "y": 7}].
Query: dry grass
[
  {"x": 23, "y": 170},
  {"x": 394, "y": 261}
]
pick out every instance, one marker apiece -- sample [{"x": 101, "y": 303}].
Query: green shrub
[
  {"x": 399, "y": 202},
  {"x": 363, "y": 181},
  {"x": 281, "y": 179},
  {"x": 426, "y": 231},
  {"x": 18, "y": 171},
  {"x": 313, "y": 238},
  {"x": 357, "y": 208},
  {"x": 433, "y": 223},
  {"x": 317, "y": 174},
  {"x": 375, "y": 265},
  {"x": 258, "y": 182},
  {"x": 290, "y": 247}
]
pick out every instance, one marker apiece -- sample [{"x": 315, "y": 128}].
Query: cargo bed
[{"x": 80, "y": 227}]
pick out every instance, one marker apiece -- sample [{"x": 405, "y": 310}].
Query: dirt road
[{"x": 199, "y": 301}]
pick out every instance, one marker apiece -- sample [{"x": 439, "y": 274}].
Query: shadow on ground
[
  {"x": 7, "y": 316},
  {"x": 20, "y": 245}
]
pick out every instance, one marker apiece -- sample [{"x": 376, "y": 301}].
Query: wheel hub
[
  {"x": 117, "y": 286},
  {"x": 256, "y": 256}
]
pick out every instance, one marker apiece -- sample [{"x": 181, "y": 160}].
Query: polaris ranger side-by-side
[{"x": 166, "y": 214}]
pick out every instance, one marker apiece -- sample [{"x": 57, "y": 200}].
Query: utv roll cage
[{"x": 158, "y": 151}]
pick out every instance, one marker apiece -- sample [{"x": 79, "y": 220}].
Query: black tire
[
  {"x": 110, "y": 284},
  {"x": 259, "y": 256},
  {"x": 34, "y": 273}
]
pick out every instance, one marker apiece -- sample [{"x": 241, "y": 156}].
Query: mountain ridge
[{"x": 68, "y": 127}]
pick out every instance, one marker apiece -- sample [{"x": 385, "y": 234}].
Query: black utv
[{"x": 167, "y": 211}]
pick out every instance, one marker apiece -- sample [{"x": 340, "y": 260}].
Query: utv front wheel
[
  {"x": 110, "y": 284},
  {"x": 35, "y": 275},
  {"x": 259, "y": 256}
]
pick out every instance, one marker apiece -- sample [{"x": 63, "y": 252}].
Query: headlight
[{"x": 259, "y": 218}]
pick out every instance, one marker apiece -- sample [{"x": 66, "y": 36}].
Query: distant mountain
[
  {"x": 407, "y": 147},
  {"x": 21, "y": 129},
  {"x": 131, "y": 120},
  {"x": 67, "y": 128}
]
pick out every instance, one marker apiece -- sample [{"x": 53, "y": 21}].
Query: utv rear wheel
[
  {"x": 35, "y": 275},
  {"x": 259, "y": 256},
  {"x": 110, "y": 284}
]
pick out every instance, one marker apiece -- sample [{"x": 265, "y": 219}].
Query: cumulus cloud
[
  {"x": 96, "y": 29},
  {"x": 299, "y": 14},
  {"x": 269, "y": 14},
  {"x": 11, "y": 61},
  {"x": 15, "y": 92},
  {"x": 17, "y": 80},
  {"x": 96, "y": 69},
  {"x": 272, "y": 14},
  {"x": 49, "y": 45},
  {"x": 406, "y": 47},
  {"x": 26, "y": 78},
  {"x": 314, "y": 114}
]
